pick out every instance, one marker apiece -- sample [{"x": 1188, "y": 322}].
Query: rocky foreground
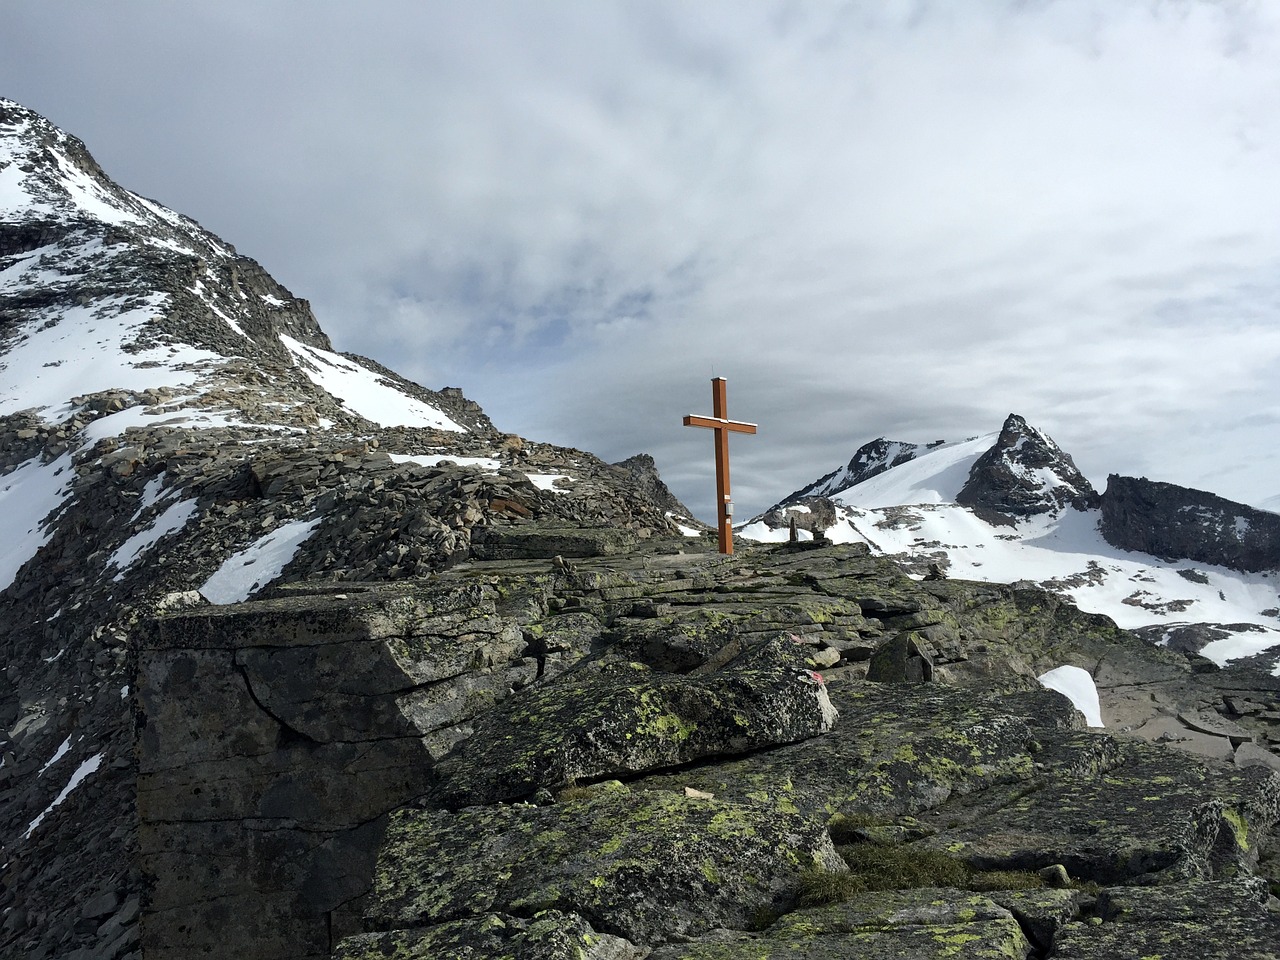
[{"x": 796, "y": 751}]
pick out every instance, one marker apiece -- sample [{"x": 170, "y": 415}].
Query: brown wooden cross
[{"x": 720, "y": 423}]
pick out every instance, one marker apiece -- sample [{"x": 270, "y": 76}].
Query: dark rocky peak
[
  {"x": 1025, "y": 473},
  {"x": 870, "y": 460},
  {"x": 1178, "y": 522}
]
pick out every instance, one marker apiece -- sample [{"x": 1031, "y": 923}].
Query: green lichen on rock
[
  {"x": 1154, "y": 814},
  {"x": 689, "y": 781},
  {"x": 647, "y": 866},
  {"x": 1194, "y": 920},
  {"x": 619, "y": 718},
  {"x": 896, "y": 750},
  {"x": 924, "y": 924},
  {"x": 550, "y": 935}
]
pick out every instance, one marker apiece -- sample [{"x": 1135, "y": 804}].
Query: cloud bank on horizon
[{"x": 898, "y": 218}]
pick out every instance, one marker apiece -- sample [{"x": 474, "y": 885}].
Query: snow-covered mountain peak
[
  {"x": 1182, "y": 566},
  {"x": 104, "y": 292},
  {"x": 48, "y": 173},
  {"x": 870, "y": 460}
]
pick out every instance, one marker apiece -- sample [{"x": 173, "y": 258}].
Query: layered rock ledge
[{"x": 669, "y": 753}]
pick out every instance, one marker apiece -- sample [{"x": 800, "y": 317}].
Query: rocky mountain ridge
[
  {"x": 176, "y": 427},
  {"x": 303, "y": 660}
]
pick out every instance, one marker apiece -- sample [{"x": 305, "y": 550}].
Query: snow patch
[
  {"x": 1077, "y": 686},
  {"x": 435, "y": 459},
  {"x": 80, "y": 351},
  {"x": 28, "y": 494},
  {"x": 174, "y": 517},
  {"x": 258, "y": 564},
  {"x": 82, "y": 771},
  {"x": 1242, "y": 644},
  {"x": 57, "y": 755},
  {"x": 364, "y": 392},
  {"x": 547, "y": 481}
]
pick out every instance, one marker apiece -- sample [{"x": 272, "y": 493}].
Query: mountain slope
[
  {"x": 176, "y": 428},
  {"x": 1012, "y": 507}
]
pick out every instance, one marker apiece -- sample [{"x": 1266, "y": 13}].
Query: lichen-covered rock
[
  {"x": 549, "y": 935},
  {"x": 1149, "y": 814},
  {"x": 897, "y": 749},
  {"x": 1197, "y": 920},
  {"x": 650, "y": 867},
  {"x": 1042, "y": 912},
  {"x": 919, "y": 924},
  {"x": 689, "y": 676},
  {"x": 621, "y": 718}
]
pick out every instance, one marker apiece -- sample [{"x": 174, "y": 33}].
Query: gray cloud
[{"x": 896, "y": 218}]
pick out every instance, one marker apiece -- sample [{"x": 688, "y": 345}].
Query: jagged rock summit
[{"x": 1022, "y": 474}]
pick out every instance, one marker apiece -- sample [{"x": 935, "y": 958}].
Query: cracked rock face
[
  {"x": 1172, "y": 521},
  {"x": 636, "y": 752}
]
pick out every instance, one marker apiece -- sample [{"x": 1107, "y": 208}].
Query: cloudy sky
[{"x": 876, "y": 218}]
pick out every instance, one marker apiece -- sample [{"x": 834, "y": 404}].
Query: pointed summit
[{"x": 1023, "y": 474}]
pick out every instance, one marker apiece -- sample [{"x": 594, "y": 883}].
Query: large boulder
[
  {"x": 620, "y": 718},
  {"x": 1119, "y": 811},
  {"x": 1198, "y": 920}
]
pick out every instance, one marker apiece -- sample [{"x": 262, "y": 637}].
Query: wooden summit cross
[{"x": 720, "y": 423}]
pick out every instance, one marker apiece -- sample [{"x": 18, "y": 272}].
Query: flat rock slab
[
  {"x": 1174, "y": 733},
  {"x": 1252, "y": 755},
  {"x": 649, "y": 867},
  {"x": 1211, "y": 723},
  {"x": 1150, "y": 814},
  {"x": 897, "y": 749},
  {"x": 919, "y": 924},
  {"x": 552, "y": 935},
  {"x": 1202, "y": 920}
]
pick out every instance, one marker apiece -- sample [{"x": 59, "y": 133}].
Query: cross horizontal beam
[{"x": 737, "y": 426}]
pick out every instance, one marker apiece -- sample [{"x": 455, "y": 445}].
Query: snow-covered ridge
[
  {"x": 105, "y": 290},
  {"x": 363, "y": 392}
]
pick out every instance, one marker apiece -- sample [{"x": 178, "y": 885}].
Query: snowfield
[
  {"x": 258, "y": 564},
  {"x": 909, "y": 511}
]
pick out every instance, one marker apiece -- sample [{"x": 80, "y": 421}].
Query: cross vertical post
[{"x": 722, "y": 425}]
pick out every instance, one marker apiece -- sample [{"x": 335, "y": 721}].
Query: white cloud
[{"x": 898, "y": 218}]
